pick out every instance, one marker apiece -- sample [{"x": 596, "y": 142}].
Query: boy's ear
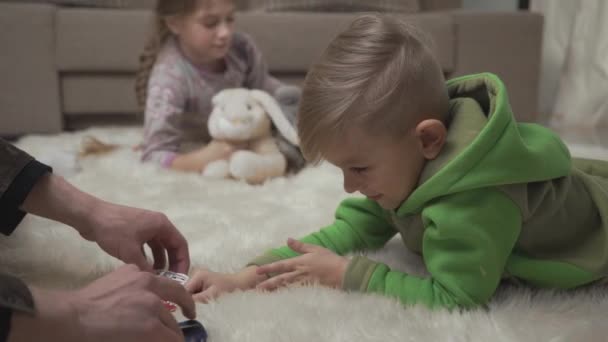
[
  {"x": 431, "y": 134},
  {"x": 173, "y": 24}
]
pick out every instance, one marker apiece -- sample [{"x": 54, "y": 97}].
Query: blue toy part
[{"x": 193, "y": 331}]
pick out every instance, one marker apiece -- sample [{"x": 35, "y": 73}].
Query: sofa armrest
[
  {"x": 29, "y": 86},
  {"x": 508, "y": 44}
]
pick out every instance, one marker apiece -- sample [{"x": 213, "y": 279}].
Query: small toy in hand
[
  {"x": 193, "y": 331},
  {"x": 179, "y": 277}
]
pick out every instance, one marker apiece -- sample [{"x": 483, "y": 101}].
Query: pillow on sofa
[
  {"x": 95, "y": 3},
  {"x": 109, "y": 3},
  {"x": 400, "y": 6}
]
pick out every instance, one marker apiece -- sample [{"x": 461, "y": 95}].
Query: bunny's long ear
[{"x": 276, "y": 115}]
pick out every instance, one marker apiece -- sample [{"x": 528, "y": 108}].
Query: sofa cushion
[
  {"x": 138, "y": 4},
  {"x": 293, "y": 41},
  {"x": 87, "y": 94},
  {"x": 103, "y": 40},
  {"x": 90, "y": 93},
  {"x": 29, "y": 99},
  {"x": 399, "y": 6}
]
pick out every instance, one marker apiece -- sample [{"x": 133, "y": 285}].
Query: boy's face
[
  {"x": 383, "y": 169},
  {"x": 386, "y": 169}
]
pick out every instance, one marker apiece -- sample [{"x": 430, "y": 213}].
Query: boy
[{"x": 478, "y": 195}]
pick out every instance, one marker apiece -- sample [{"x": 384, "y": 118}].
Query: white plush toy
[{"x": 245, "y": 117}]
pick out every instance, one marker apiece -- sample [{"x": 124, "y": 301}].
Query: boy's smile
[{"x": 374, "y": 197}]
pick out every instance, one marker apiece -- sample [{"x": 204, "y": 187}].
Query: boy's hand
[
  {"x": 206, "y": 285},
  {"x": 315, "y": 265}
]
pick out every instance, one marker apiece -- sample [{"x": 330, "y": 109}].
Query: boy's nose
[{"x": 350, "y": 185}]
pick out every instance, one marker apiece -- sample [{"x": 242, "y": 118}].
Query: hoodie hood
[{"x": 485, "y": 146}]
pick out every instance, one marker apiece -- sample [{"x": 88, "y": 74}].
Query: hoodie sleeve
[
  {"x": 360, "y": 224},
  {"x": 467, "y": 241}
]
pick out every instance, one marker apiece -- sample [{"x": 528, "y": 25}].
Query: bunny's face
[{"x": 237, "y": 116}]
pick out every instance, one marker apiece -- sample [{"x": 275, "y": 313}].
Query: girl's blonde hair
[
  {"x": 164, "y": 10},
  {"x": 379, "y": 74}
]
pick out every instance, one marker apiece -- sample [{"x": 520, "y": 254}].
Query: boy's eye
[{"x": 358, "y": 169}]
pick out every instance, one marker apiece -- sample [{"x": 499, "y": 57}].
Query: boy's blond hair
[{"x": 378, "y": 74}]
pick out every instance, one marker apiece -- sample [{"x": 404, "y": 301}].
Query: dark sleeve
[
  {"x": 14, "y": 296},
  {"x": 5, "y": 323},
  {"x": 19, "y": 172}
]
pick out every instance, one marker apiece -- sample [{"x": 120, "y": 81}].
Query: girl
[{"x": 194, "y": 55}]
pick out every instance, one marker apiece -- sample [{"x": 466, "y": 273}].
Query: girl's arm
[
  {"x": 258, "y": 76},
  {"x": 163, "y": 132},
  {"x": 165, "y": 106}
]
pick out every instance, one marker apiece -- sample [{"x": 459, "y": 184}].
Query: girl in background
[{"x": 194, "y": 54}]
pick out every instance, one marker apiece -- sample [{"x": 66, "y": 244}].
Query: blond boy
[{"x": 444, "y": 165}]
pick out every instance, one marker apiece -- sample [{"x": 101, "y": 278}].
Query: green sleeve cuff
[{"x": 358, "y": 274}]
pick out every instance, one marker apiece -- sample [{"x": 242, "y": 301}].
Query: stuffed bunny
[{"x": 246, "y": 117}]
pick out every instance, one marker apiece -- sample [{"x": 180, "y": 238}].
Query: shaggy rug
[{"x": 227, "y": 223}]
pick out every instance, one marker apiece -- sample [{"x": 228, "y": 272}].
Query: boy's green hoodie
[{"x": 503, "y": 199}]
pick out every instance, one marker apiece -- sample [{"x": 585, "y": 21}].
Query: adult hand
[
  {"x": 119, "y": 230},
  {"x": 315, "y": 265},
  {"x": 122, "y": 232},
  {"x": 125, "y": 305}
]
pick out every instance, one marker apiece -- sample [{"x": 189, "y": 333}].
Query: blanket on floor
[{"x": 227, "y": 223}]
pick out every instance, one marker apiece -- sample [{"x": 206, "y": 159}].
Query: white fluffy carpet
[{"x": 227, "y": 223}]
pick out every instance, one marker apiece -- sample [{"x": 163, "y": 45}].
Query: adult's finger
[
  {"x": 164, "y": 334},
  {"x": 177, "y": 250},
  {"x": 158, "y": 253},
  {"x": 168, "y": 320},
  {"x": 173, "y": 291},
  {"x": 137, "y": 257}
]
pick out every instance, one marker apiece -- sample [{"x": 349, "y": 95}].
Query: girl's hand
[
  {"x": 315, "y": 265},
  {"x": 216, "y": 150},
  {"x": 197, "y": 160}
]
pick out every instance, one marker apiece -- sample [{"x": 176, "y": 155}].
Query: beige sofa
[{"x": 67, "y": 67}]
